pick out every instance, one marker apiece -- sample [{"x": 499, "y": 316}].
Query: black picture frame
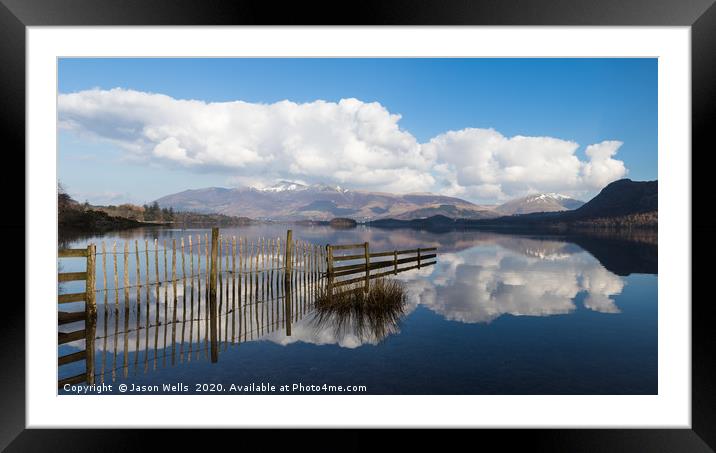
[{"x": 700, "y": 15}]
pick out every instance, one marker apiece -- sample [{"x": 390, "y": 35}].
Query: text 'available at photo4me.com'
[{"x": 202, "y": 388}]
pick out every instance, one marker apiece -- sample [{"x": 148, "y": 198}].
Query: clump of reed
[{"x": 374, "y": 313}]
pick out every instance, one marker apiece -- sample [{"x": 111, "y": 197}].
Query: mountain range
[
  {"x": 293, "y": 201},
  {"x": 621, "y": 204}
]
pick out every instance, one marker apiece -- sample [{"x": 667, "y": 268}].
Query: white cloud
[
  {"x": 601, "y": 168},
  {"x": 484, "y": 164},
  {"x": 350, "y": 142}
]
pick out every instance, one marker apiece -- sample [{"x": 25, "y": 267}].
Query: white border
[{"x": 671, "y": 408}]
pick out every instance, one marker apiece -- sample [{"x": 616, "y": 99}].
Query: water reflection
[
  {"x": 530, "y": 278},
  {"x": 358, "y": 317},
  {"x": 622, "y": 254},
  {"x": 497, "y": 276},
  {"x": 479, "y": 277}
]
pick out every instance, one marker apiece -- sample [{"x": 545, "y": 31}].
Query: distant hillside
[
  {"x": 73, "y": 217},
  {"x": 437, "y": 222},
  {"x": 450, "y": 211},
  {"x": 291, "y": 201},
  {"x": 543, "y": 202},
  {"x": 622, "y": 204},
  {"x": 621, "y": 198},
  {"x": 214, "y": 220}
]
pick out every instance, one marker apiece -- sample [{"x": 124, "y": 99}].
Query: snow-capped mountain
[
  {"x": 291, "y": 200},
  {"x": 288, "y": 200},
  {"x": 541, "y": 202},
  {"x": 286, "y": 186},
  {"x": 283, "y": 186}
]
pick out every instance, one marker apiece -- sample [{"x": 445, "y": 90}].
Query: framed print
[{"x": 408, "y": 217}]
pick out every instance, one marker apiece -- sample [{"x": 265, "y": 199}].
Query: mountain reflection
[
  {"x": 501, "y": 275},
  {"x": 478, "y": 278}
]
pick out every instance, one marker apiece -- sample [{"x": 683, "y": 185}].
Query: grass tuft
[{"x": 375, "y": 313}]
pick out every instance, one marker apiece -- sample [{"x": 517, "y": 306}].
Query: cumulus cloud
[
  {"x": 601, "y": 168},
  {"x": 484, "y": 164},
  {"x": 350, "y": 142}
]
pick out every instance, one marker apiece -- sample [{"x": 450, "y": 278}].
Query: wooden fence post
[
  {"x": 126, "y": 277},
  {"x": 289, "y": 251},
  {"x": 212, "y": 294},
  {"x": 395, "y": 262},
  {"x": 287, "y": 280},
  {"x": 367, "y": 266},
  {"x": 418, "y": 258},
  {"x": 90, "y": 304},
  {"x": 90, "y": 314},
  {"x": 329, "y": 266}
]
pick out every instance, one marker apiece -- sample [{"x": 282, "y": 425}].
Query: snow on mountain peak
[
  {"x": 552, "y": 195},
  {"x": 285, "y": 186}
]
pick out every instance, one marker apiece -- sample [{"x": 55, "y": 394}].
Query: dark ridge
[
  {"x": 620, "y": 198},
  {"x": 621, "y": 204}
]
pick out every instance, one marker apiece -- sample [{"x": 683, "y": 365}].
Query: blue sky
[{"x": 106, "y": 155}]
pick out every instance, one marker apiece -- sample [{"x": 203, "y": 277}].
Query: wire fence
[
  {"x": 175, "y": 327},
  {"x": 223, "y": 292},
  {"x": 139, "y": 265}
]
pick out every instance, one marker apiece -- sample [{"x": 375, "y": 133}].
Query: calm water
[{"x": 497, "y": 314}]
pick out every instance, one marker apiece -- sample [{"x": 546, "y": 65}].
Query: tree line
[{"x": 152, "y": 212}]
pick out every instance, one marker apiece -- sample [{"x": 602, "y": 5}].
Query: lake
[{"x": 496, "y": 314}]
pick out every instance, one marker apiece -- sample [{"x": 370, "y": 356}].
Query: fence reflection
[{"x": 192, "y": 298}]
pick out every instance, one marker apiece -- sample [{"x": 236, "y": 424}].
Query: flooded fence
[
  {"x": 225, "y": 288},
  {"x": 86, "y": 316},
  {"x": 365, "y": 262},
  {"x": 149, "y": 337},
  {"x": 189, "y": 297}
]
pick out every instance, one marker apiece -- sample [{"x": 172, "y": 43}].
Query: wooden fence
[
  {"x": 366, "y": 262},
  {"x": 221, "y": 289},
  {"x": 88, "y": 316},
  {"x": 167, "y": 334},
  {"x": 191, "y": 278}
]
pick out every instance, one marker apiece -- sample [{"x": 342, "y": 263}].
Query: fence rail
[
  {"x": 217, "y": 284},
  {"x": 88, "y": 315},
  {"x": 334, "y": 273},
  {"x": 200, "y": 276}
]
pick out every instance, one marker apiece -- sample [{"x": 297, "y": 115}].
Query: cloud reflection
[
  {"x": 521, "y": 277},
  {"x": 500, "y": 275},
  {"x": 512, "y": 276}
]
